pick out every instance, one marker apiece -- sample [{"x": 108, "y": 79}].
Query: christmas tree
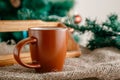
[{"x": 46, "y": 10}]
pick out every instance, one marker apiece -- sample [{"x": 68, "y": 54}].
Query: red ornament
[
  {"x": 77, "y": 19},
  {"x": 15, "y": 3}
]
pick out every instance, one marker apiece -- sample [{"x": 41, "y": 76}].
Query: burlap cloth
[{"x": 100, "y": 64}]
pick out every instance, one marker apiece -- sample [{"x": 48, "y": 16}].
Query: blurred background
[{"x": 95, "y": 23}]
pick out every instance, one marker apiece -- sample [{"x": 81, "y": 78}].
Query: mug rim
[{"x": 48, "y": 28}]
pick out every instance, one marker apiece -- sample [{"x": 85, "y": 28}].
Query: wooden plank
[
  {"x": 20, "y": 25},
  {"x": 8, "y": 59}
]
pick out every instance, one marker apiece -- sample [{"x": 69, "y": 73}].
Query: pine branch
[{"x": 105, "y": 34}]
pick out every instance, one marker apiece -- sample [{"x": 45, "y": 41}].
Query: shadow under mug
[{"x": 47, "y": 48}]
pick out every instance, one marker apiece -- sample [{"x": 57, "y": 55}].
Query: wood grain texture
[{"x": 20, "y": 25}]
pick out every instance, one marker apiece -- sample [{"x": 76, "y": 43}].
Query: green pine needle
[{"x": 106, "y": 34}]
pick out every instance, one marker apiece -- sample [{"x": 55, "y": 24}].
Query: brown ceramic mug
[{"x": 47, "y": 47}]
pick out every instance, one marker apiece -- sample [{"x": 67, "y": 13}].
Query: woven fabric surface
[{"x": 100, "y": 64}]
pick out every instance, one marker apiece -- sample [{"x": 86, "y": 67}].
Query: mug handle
[{"x": 17, "y": 52}]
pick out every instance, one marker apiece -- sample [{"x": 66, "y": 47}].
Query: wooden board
[{"x": 20, "y": 25}]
